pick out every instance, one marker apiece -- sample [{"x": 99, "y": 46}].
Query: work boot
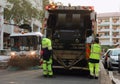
[
  {"x": 50, "y": 76},
  {"x": 91, "y": 77},
  {"x": 96, "y": 77},
  {"x": 45, "y": 76}
]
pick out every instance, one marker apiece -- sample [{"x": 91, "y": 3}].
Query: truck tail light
[
  {"x": 53, "y": 6},
  {"x": 47, "y": 7},
  {"x": 91, "y": 8}
]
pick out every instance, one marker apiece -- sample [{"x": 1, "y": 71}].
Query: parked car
[{"x": 110, "y": 59}]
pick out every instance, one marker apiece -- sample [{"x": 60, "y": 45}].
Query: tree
[
  {"x": 22, "y": 10},
  {"x": 45, "y": 2}
]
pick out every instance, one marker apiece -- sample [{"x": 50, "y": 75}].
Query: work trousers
[
  {"x": 47, "y": 67},
  {"x": 94, "y": 69}
]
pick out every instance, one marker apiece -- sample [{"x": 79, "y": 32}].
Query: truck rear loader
[{"x": 72, "y": 30}]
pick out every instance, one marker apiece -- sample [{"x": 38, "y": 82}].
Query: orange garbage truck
[{"x": 72, "y": 30}]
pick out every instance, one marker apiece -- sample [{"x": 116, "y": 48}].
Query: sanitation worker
[
  {"x": 94, "y": 59},
  {"x": 47, "y": 57}
]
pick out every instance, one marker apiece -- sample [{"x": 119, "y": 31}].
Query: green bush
[{"x": 24, "y": 62}]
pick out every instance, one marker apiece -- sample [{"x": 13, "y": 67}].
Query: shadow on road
[{"x": 77, "y": 73}]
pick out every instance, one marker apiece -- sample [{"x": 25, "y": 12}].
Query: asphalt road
[{"x": 35, "y": 77}]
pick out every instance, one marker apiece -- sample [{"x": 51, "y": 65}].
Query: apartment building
[
  {"x": 108, "y": 28},
  {"x": 6, "y": 29}
]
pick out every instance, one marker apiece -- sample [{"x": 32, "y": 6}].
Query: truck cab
[{"x": 25, "y": 44}]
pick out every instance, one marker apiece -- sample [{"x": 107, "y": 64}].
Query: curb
[
  {"x": 113, "y": 79},
  {"x": 104, "y": 75}
]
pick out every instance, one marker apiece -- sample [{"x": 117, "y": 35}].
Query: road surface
[{"x": 35, "y": 77}]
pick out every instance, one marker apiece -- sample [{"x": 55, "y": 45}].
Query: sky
[{"x": 100, "y": 6}]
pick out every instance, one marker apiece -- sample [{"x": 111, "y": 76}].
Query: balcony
[
  {"x": 115, "y": 30},
  {"x": 104, "y": 30},
  {"x": 105, "y": 43},
  {"x": 104, "y": 24},
  {"x": 116, "y": 23},
  {"x": 116, "y": 36},
  {"x": 103, "y": 36}
]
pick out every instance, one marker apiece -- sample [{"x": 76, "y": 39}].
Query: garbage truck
[{"x": 72, "y": 30}]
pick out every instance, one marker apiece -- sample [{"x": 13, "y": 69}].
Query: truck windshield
[{"x": 23, "y": 43}]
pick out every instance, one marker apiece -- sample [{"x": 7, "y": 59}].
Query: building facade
[
  {"x": 7, "y": 28},
  {"x": 108, "y": 28}
]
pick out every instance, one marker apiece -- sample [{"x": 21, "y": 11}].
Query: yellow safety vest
[
  {"x": 46, "y": 43},
  {"x": 95, "y": 51}
]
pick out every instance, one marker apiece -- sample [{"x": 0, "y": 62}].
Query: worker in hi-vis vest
[
  {"x": 94, "y": 59},
  {"x": 47, "y": 57}
]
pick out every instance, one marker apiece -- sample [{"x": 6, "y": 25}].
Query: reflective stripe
[
  {"x": 95, "y": 52},
  {"x": 44, "y": 61},
  {"x": 44, "y": 46},
  {"x": 44, "y": 70},
  {"x": 50, "y": 73},
  {"x": 50, "y": 48},
  {"x": 48, "y": 63}
]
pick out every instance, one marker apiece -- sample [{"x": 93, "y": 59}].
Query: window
[
  {"x": 115, "y": 19},
  {"x": 115, "y": 52}
]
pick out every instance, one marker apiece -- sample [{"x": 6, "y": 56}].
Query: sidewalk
[
  {"x": 3, "y": 61},
  {"x": 104, "y": 76},
  {"x": 108, "y": 77}
]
